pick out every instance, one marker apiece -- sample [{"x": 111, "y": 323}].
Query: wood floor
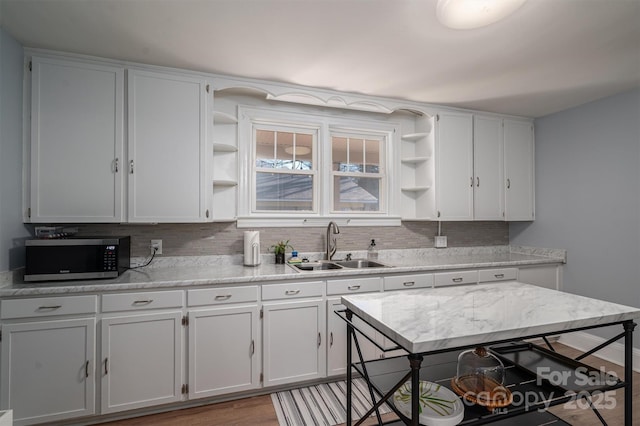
[{"x": 259, "y": 410}]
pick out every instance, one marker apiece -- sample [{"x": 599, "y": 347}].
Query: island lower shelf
[{"x": 533, "y": 394}]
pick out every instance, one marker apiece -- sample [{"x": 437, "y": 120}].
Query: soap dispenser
[{"x": 372, "y": 252}]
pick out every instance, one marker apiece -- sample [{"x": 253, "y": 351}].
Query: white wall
[
  {"x": 588, "y": 196},
  {"x": 12, "y": 230}
]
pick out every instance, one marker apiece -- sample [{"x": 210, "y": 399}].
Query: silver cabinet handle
[
  {"x": 471, "y": 181},
  {"x": 319, "y": 339},
  {"x": 115, "y": 165},
  {"x": 477, "y": 181},
  {"x": 331, "y": 339},
  {"x": 106, "y": 366},
  {"x": 409, "y": 283},
  {"x": 438, "y": 213},
  {"x": 207, "y": 213},
  {"x": 508, "y": 183},
  {"x": 253, "y": 347},
  {"x": 142, "y": 302},
  {"x": 353, "y": 287},
  {"x": 49, "y": 307},
  {"x": 291, "y": 292},
  {"x": 457, "y": 280},
  {"x": 223, "y": 297},
  {"x": 86, "y": 369},
  {"x": 499, "y": 275},
  {"x": 131, "y": 166}
]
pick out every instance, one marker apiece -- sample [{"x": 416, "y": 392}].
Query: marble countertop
[
  {"x": 448, "y": 317},
  {"x": 220, "y": 270}
]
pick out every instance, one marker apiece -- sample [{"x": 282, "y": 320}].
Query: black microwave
[{"x": 76, "y": 258}]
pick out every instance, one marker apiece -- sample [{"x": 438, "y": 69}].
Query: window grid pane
[
  {"x": 357, "y": 173},
  {"x": 284, "y": 169}
]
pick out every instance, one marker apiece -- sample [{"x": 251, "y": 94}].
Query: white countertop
[
  {"x": 225, "y": 270},
  {"x": 448, "y": 317}
]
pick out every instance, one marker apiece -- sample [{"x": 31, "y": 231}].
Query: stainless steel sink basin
[
  {"x": 360, "y": 264},
  {"x": 316, "y": 266},
  {"x": 325, "y": 265}
]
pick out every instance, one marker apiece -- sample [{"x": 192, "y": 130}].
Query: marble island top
[
  {"x": 426, "y": 320},
  {"x": 179, "y": 272}
]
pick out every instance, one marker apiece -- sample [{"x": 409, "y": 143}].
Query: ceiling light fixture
[
  {"x": 297, "y": 150},
  {"x": 469, "y": 14}
]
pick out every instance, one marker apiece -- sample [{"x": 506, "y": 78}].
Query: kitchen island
[{"x": 439, "y": 321}]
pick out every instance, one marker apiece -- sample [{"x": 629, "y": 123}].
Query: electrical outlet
[
  {"x": 440, "y": 242},
  {"x": 156, "y": 244}
]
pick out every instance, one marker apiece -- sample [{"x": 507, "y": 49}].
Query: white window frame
[
  {"x": 323, "y": 181},
  {"x": 383, "y": 138},
  {"x": 285, "y": 127}
]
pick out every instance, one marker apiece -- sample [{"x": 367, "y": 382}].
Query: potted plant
[{"x": 279, "y": 250}]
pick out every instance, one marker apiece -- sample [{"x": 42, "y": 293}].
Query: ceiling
[{"x": 548, "y": 56}]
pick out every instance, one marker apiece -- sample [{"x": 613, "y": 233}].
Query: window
[
  {"x": 299, "y": 169},
  {"x": 284, "y": 169},
  {"x": 356, "y": 171}
]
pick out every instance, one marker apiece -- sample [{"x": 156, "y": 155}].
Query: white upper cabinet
[
  {"x": 519, "y": 170},
  {"x": 167, "y": 146},
  {"x": 82, "y": 171},
  {"x": 454, "y": 166},
  {"x": 76, "y": 141},
  {"x": 488, "y": 158}
]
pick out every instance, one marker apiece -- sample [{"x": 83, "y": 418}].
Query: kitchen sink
[
  {"x": 315, "y": 266},
  {"x": 360, "y": 264},
  {"x": 325, "y": 265}
]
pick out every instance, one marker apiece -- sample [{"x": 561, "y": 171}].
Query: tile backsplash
[{"x": 226, "y": 239}]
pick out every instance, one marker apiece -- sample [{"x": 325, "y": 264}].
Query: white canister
[{"x": 251, "y": 248}]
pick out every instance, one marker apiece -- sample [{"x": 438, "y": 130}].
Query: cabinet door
[
  {"x": 167, "y": 166},
  {"x": 454, "y": 167},
  {"x": 549, "y": 276},
  {"x": 141, "y": 361},
  {"x": 487, "y": 168},
  {"x": 76, "y": 142},
  {"x": 48, "y": 370},
  {"x": 337, "y": 340},
  {"x": 519, "y": 171},
  {"x": 224, "y": 349},
  {"x": 294, "y": 341}
]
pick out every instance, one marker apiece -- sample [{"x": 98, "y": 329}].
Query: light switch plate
[{"x": 440, "y": 242}]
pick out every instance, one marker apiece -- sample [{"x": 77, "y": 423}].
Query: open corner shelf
[
  {"x": 220, "y": 117},
  {"x": 224, "y": 182},
  {"x": 415, "y": 188},
  {"x": 414, "y": 136},
  {"x": 415, "y": 160},
  {"x": 224, "y": 147}
]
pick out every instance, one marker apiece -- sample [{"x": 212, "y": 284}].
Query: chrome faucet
[{"x": 332, "y": 245}]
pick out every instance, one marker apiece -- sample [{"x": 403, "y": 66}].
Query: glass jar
[{"x": 479, "y": 364}]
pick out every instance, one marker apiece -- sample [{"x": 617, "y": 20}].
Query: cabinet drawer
[
  {"x": 355, "y": 285},
  {"x": 406, "y": 282},
  {"x": 142, "y": 301},
  {"x": 217, "y": 296},
  {"x": 292, "y": 290},
  {"x": 48, "y": 306},
  {"x": 455, "y": 278},
  {"x": 503, "y": 274}
]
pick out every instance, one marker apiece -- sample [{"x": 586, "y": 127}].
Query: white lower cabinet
[
  {"x": 224, "y": 350},
  {"x": 294, "y": 341},
  {"x": 141, "y": 363},
  {"x": 337, "y": 340},
  {"x": 549, "y": 276},
  {"x": 47, "y": 370}
]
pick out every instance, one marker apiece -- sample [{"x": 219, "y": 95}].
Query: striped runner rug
[{"x": 322, "y": 405}]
